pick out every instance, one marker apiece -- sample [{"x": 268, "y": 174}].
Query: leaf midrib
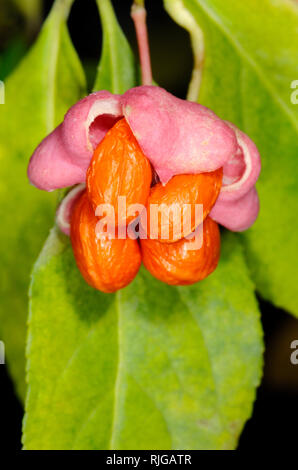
[
  {"x": 119, "y": 374},
  {"x": 117, "y": 393}
]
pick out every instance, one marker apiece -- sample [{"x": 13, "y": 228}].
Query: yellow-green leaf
[
  {"x": 116, "y": 70},
  {"x": 38, "y": 93},
  {"x": 151, "y": 367},
  {"x": 248, "y": 61}
]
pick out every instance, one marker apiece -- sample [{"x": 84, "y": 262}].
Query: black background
[{"x": 274, "y": 421}]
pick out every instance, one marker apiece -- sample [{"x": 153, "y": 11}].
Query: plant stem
[{"x": 138, "y": 14}]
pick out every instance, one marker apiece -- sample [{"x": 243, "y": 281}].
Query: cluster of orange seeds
[{"x": 119, "y": 168}]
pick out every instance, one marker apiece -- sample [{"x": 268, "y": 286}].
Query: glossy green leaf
[
  {"x": 150, "y": 367},
  {"x": 249, "y": 59},
  {"x": 37, "y": 95},
  {"x": 116, "y": 71}
]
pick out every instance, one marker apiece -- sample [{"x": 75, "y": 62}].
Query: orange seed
[
  {"x": 119, "y": 168},
  {"x": 184, "y": 192},
  {"x": 173, "y": 264},
  {"x": 106, "y": 264}
]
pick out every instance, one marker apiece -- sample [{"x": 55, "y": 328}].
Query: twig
[{"x": 138, "y": 14}]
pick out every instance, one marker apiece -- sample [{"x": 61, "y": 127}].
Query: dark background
[{"x": 274, "y": 421}]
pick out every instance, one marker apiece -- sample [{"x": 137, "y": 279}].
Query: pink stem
[{"x": 138, "y": 14}]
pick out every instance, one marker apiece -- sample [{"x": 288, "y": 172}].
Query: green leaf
[
  {"x": 31, "y": 9},
  {"x": 116, "y": 71},
  {"x": 11, "y": 56},
  {"x": 249, "y": 61},
  {"x": 46, "y": 83},
  {"x": 150, "y": 367}
]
